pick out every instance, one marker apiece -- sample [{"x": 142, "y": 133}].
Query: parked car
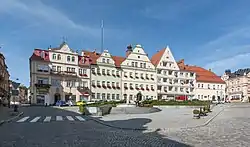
[
  {"x": 70, "y": 103},
  {"x": 60, "y": 103},
  {"x": 80, "y": 103},
  {"x": 14, "y": 103}
]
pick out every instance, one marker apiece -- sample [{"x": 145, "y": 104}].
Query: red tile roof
[
  {"x": 94, "y": 56},
  {"x": 36, "y": 56},
  {"x": 157, "y": 57},
  {"x": 118, "y": 60},
  {"x": 202, "y": 75}
]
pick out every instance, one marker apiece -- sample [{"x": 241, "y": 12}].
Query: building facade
[
  {"x": 139, "y": 75},
  {"x": 59, "y": 74},
  {"x": 172, "y": 83},
  {"x": 4, "y": 79},
  {"x": 238, "y": 85},
  {"x": 208, "y": 85},
  {"x": 105, "y": 76}
]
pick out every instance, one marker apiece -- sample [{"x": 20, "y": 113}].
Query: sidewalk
[
  {"x": 168, "y": 118},
  {"x": 7, "y": 114}
]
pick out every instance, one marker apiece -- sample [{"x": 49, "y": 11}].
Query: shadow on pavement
[{"x": 153, "y": 138}]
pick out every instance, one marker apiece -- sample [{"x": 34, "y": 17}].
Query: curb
[
  {"x": 10, "y": 119},
  {"x": 151, "y": 129}
]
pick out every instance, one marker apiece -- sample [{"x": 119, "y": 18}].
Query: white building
[
  {"x": 60, "y": 74},
  {"x": 208, "y": 85},
  {"x": 138, "y": 76},
  {"x": 238, "y": 85},
  {"x": 105, "y": 76},
  {"x": 171, "y": 82}
]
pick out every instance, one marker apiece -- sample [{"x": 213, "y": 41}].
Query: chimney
[
  {"x": 209, "y": 69},
  {"x": 129, "y": 50}
]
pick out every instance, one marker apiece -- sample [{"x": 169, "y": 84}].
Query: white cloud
[
  {"x": 233, "y": 63},
  {"x": 229, "y": 51},
  {"x": 36, "y": 11}
]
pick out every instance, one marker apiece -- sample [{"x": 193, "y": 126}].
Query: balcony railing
[
  {"x": 118, "y": 87},
  {"x": 42, "y": 85},
  {"x": 137, "y": 88},
  {"x": 125, "y": 87},
  {"x": 113, "y": 86},
  {"x": 131, "y": 88},
  {"x": 99, "y": 86},
  {"x": 69, "y": 73},
  {"x": 109, "y": 86}
]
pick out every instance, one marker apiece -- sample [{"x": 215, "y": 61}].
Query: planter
[{"x": 98, "y": 111}]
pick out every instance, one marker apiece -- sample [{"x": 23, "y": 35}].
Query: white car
[{"x": 14, "y": 103}]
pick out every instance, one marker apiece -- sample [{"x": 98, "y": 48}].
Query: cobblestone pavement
[
  {"x": 75, "y": 133},
  {"x": 229, "y": 129}
]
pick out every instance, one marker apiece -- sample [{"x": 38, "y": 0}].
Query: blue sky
[{"x": 212, "y": 34}]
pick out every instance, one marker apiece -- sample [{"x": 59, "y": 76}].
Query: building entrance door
[{"x": 57, "y": 97}]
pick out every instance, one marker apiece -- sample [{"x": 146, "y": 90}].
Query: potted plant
[{"x": 196, "y": 113}]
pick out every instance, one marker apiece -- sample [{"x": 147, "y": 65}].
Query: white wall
[{"x": 205, "y": 91}]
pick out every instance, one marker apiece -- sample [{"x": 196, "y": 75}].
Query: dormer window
[
  {"x": 54, "y": 56},
  {"x": 107, "y": 60},
  {"x": 103, "y": 60},
  {"x": 73, "y": 59},
  {"x": 68, "y": 58},
  {"x": 58, "y": 57},
  {"x": 42, "y": 54}
]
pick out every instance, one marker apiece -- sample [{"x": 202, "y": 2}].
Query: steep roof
[
  {"x": 94, "y": 56},
  {"x": 37, "y": 57},
  {"x": 202, "y": 75},
  {"x": 238, "y": 73},
  {"x": 157, "y": 57},
  {"x": 118, "y": 60}
]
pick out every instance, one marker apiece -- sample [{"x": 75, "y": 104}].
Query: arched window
[
  {"x": 58, "y": 57},
  {"x": 68, "y": 58},
  {"x": 54, "y": 56},
  {"x": 73, "y": 59}
]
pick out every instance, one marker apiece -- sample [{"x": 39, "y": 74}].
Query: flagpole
[{"x": 102, "y": 35}]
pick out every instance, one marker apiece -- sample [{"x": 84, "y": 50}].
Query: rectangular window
[
  {"x": 103, "y": 96},
  {"x": 113, "y": 96},
  {"x": 98, "y": 83},
  {"x": 103, "y": 82},
  {"x": 108, "y": 72},
  {"x": 93, "y": 95},
  {"x": 141, "y": 65},
  {"x": 198, "y": 85},
  {"x": 73, "y": 59},
  {"x": 59, "y": 68},
  {"x": 103, "y": 71},
  {"x": 98, "y": 70},
  {"x": 117, "y": 84},
  {"x": 113, "y": 72},
  {"x": 136, "y": 64},
  {"x": 53, "y": 68},
  {"x": 68, "y": 58},
  {"x": 68, "y": 69},
  {"x": 98, "y": 96},
  {"x": 144, "y": 65},
  {"x": 117, "y": 96},
  {"x": 107, "y": 60},
  {"x": 93, "y": 70},
  {"x": 108, "y": 96},
  {"x": 133, "y": 64},
  {"x": 73, "y": 69},
  {"x": 125, "y": 85}
]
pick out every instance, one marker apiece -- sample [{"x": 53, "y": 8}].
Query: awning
[{"x": 85, "y": 93}]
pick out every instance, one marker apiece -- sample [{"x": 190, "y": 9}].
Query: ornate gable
[{"x": 105, "y": 58}]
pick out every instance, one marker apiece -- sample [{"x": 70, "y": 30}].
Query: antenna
[{"x": 102, "y": 35}]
